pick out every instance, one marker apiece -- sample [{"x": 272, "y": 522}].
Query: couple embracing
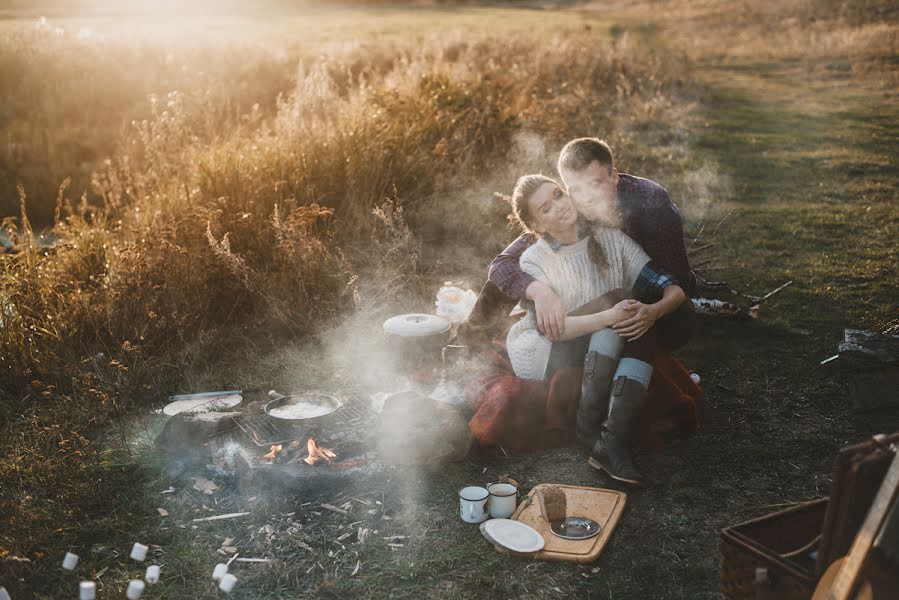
[{"x": 602, "y": 269}]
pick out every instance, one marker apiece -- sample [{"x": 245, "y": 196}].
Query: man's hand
[
  {"x": 550, "y": 313},
  {"x": 644, "y": 316}
]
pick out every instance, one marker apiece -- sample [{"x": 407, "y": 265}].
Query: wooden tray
[{"x": 603, "y": 506}]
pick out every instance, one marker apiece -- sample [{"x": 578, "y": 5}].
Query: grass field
[{"x": 797, "y": 144}]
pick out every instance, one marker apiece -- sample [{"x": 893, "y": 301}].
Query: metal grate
[{"x": 264, "y": 430}]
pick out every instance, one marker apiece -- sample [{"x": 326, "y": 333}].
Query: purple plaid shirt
[{"x": 647, "y": 215}]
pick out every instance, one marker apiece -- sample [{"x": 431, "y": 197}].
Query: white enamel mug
[
  {"x": 473, "y": 504},
  {"x": 503, "y": 500}
]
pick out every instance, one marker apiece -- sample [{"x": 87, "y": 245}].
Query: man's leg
[
  {"x": 674, "y": 330},
  {"x": 600, "y": 363}
]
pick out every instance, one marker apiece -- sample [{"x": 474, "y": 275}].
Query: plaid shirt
[{"x": 648, "y": 216}]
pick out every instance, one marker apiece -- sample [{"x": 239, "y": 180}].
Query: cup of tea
[
  {"x": 473, "y": 504},
  {"x": 503, "y": 500}
]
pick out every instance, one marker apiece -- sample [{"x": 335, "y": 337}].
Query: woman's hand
[{"x": 620, "y": 312}]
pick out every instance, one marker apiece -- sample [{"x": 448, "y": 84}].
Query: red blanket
[{"x": 520, "y": 414}]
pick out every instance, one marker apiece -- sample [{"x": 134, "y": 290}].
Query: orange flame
[
  {"x": 315, "y": 453},
  {"x": 273, "y": 453}
]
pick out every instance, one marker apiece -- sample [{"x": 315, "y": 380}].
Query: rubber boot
[
  {"x": 612, "y": 452},
  {"x": 595, "y": 385}
]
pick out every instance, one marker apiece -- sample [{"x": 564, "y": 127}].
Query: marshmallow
[
  {"x": 139, "y": 551},
  {"x": 135, "y": 589},
  {"x": 227, "y": 583},
  {"x": 220, "y": 571},
  {"x": 87, "y": 590},
  {"x": 152, "y": 575},
  {"x": 70, "y": 561},
  {"x": 694, "y": 377},
  {"x": 4, "y": 595}
]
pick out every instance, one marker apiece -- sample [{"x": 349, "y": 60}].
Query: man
[{"x": 643, "y": 210}]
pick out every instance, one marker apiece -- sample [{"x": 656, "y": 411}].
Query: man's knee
[{"x": 674, "y": 330}]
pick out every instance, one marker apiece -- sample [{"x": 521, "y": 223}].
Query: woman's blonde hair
[{"x": 525, "y": 188}]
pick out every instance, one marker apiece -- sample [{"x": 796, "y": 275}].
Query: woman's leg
[
  {"x": 600, "y": 363},
  {"x": 612, "y": 452}
]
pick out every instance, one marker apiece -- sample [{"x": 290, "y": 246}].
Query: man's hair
[{"x": 577, "y": 154}]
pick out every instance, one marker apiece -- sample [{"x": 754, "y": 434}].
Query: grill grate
[{"x": 353, "y": 415}]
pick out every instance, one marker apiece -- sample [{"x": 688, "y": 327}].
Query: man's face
[{"x": 594, "y": 191}]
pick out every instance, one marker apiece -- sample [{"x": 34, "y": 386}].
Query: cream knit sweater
[{"x": 571, "y": 274}]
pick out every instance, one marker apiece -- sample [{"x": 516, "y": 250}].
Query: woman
[{"x": 580, "y": 263}]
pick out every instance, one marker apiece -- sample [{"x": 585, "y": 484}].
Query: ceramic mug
[
  {"x": 473, "y": 504},
  {"x": 503, "y": 500}
]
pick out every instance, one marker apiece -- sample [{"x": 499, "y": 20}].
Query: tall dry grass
[{"x": 217, "y": 213}]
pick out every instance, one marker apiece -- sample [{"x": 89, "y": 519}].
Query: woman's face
[{"x": 551, "y": 209}]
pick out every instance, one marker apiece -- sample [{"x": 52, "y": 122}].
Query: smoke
[{"x": 704, "y": 189}]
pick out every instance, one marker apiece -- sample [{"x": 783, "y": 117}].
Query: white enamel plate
[{"x": 514, "y": 535}]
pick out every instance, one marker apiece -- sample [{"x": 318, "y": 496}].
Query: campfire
[{"x": 292, "y": 453}]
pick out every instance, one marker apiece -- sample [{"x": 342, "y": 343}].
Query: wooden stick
[
  {"x": 220, "y": 517},
  {"x": 726, "y": 217},
  {"x": 254, "y": 560},
  {"x": 334, "y": 508},
  {"x": 701, "y": 248},
  {"x": 771, "y": 293}
]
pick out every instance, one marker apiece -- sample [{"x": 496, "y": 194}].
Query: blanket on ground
[{"x": 519, "y": 414}]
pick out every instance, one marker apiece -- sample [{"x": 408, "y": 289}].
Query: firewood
[
  {"x": 552, "y": 502},
  {"x": 334, "y": 508}
]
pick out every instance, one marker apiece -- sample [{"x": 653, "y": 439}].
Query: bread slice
[{"x": 552, "y": 502}]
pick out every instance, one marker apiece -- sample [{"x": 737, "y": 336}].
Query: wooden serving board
[{"x": 601, "y": 505}]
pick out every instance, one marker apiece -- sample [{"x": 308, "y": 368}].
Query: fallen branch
[
  {"x": 710, "y": 306},
  {"x": 692, "y": 251},
  {"x": 771, "y": 293},
  {"x": 220, "y": 517},
  {"x": 334, "y": 508},
  {"x": 726, "y": 217},
  {"x": 253, "y": 560}
]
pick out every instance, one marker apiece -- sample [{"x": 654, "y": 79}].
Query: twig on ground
[
  {"x": 334, "y": 508},
  {"x": 771, "y": 293},
  {"x": 356, "y": 568},
  {"x": 726, "y": 217},
  {"x": 220, "y": 517},
  {"x": 232, "y": 559},
  {"x": 700, "y": 248},
  {"x": 699, "y": 233},
  {"x": 253, "y": 560}
]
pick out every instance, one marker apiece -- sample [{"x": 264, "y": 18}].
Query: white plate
[
  {"x": 514, "y": 535},
  {"x": 201, "y": 404}
]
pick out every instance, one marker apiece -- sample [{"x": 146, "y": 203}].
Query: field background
[{"x": 239, "y": 200}]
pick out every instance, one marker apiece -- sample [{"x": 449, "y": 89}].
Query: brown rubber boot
[
  {"x": 594, "y": 403},
  {"x": 612, "y": 452}
]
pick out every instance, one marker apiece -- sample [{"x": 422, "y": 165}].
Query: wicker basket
[{"x": 769, "y": 557}]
